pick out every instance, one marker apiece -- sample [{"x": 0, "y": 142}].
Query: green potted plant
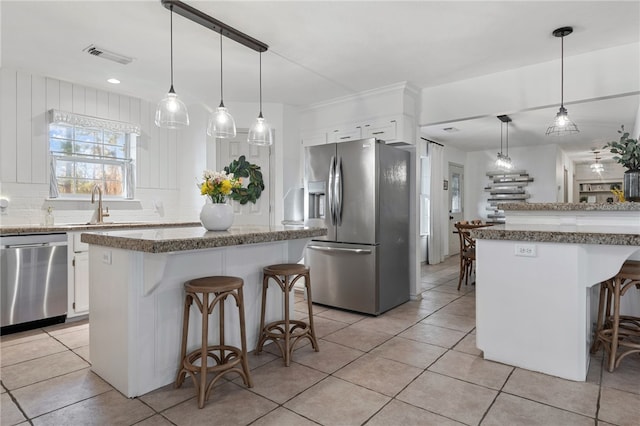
[{"x": 627, "y": 152}]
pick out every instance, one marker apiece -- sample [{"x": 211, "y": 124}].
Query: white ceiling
[{"x": 322, "y": 50}]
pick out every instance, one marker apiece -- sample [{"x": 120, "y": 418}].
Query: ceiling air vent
[{"x": 106, "y": 54}]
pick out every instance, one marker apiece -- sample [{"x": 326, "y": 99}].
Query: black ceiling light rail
[{"x": 213, "y": 24}]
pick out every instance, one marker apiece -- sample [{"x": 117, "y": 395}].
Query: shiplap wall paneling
[
  {"x": 142, "y": 151},
  {"x": 90, "y": 101},
  {"x": 8, "y": 116},
  {"x": 39, "y": 130},
  {"x": 172, "y": 166},
  {"x": 78, "y": 100},
  {"x": 66, "y": 96},
  {"x": 23, "y": 128}
]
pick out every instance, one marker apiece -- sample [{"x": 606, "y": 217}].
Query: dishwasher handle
[
  {"x": 341, "y": 250},
  {"x": 34, "y": 245}
]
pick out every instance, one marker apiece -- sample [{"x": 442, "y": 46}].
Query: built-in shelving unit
[
  {"x": 598, "y": 192},
  {"x": 505, "y": 186}
]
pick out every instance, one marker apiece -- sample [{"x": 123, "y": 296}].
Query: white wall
[
  {"x": 533, "y": 86},
  {"x": 24, "y": 150},
  {"x": 168, "y": 161}
]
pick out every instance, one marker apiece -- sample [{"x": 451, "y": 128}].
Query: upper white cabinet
[
  {"x": 312, "y": 138},
  {"x": 385, "y": 130},
  {"x": 344, "y": 134}
]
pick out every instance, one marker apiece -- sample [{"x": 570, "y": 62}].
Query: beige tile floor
[{"x": 415, "y": 365}]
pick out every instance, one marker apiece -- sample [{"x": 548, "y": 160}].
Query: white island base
[
  {"x": 534, "y": 312},
  {"x": 137, "y": 301}
]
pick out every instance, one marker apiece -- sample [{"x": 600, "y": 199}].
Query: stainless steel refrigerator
[{"x": 359, "y": 190}]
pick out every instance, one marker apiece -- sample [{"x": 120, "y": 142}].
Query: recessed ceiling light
[
  {"x": 450, "y": 129},
  {"x": 113, "y": 81}
]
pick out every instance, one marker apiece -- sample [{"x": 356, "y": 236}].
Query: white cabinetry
[
  {"x": 344, "y": 134},
  {"x": 314, "y": 138},
  {"x": 78, "y": 281}
]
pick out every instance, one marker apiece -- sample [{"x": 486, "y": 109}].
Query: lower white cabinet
[{"x": 78, "y": 275}]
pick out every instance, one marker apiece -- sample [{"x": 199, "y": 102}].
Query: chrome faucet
[{"x": 100, "y": 213}]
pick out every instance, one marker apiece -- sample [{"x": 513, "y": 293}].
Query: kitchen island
[
  {"x": 534, "y": 303},
  {"x": 137, "y": 296}
]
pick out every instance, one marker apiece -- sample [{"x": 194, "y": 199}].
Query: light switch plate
[
  {"x": 526, "y": 250},
  {"x": 106, "y": 257}
]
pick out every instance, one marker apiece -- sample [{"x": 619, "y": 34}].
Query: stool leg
[
  {"x": 221, "y": 327},
  {"x": 617, "y": 283},
  {"x": 312, "y": 330},
  {"x": 287, "y": 324},
  {"x": 263, "y": 335},
  {"x": 595, "y": 345},
  {"x": 188, "y": 300},
  {"x": 243, "y": 339},
  {"x": 462, "y": 270},
  {"x": 202, "y": 382}
]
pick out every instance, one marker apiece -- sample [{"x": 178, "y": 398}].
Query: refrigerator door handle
[
  {"x": 332, "y": 177},
  {"x": 341, "y": 250},
  {"x": 338, "y": 191}
]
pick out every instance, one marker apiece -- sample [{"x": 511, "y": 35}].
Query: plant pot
[
  {"x": 631, "y": 185},
  {"x": 216, "y": 217}
]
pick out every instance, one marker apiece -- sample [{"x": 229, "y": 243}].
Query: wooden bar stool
[
  {"x": 225, "y": 358},
  {"x": 618, "y": 334},
  {"x": 287, "y": 330}
]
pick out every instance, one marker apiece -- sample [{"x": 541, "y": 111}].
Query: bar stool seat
[
  {"x": 618, "y": 334},
  {"x": 290, "y": 331},
  {"x": 218, "y": 359}
]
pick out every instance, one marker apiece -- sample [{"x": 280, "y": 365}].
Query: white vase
[{"x": 216, "y": 216}]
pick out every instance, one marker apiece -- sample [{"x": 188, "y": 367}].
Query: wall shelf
[{"x": 505, "y": 186}]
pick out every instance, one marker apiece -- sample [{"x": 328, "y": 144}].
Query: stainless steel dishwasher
[{"x": 33, "y": 280}]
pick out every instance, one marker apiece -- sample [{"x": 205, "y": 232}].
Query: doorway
[
  {"x": 228, "y": 150},
  {"x": 456, "y": 207}
]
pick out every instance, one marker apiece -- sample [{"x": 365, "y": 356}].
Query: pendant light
[
  {"x": 562, "y": 124},
  {"x": 597, "y": 167},
  {"x": 260, "y": 131},
  {"x": 221, "y": 123},
  {"x": 171, "y": 112},
  {"x": 504, "y": 161}
]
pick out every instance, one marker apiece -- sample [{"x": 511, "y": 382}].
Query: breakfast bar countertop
[
  {"x": 607, "y": 207},
  {"x": 569, "y": 234},
  {"x": 165, "y": 240}
]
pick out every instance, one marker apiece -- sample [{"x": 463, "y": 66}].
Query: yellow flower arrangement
[{"x": 217, "y": 185}]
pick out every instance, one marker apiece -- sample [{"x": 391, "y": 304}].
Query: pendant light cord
[
  {"x": 562, "y": 71},
  {"x": 171, "y": 43},
  {"x": 501, "y": 137},
  {"x": 507, "y": 139},
  {"x": 260, "y": 85},
  {"x": 221, "y": 94}
]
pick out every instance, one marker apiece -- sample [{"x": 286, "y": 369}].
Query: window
[{"x": 87, "y": 151}]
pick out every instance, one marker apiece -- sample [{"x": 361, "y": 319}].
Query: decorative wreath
[{"x": 242, "y": 168}]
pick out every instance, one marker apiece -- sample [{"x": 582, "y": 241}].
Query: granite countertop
[
  {"x": 570, "y": 234},
  {"x": 74, "y": 227},
  {"x": 626, "y": 206},
  {"x": 165, "y": 240}
]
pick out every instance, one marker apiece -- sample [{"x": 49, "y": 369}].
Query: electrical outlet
[
  {"x": 106, "y": 257},
  {"x": 526, "y": 250}
]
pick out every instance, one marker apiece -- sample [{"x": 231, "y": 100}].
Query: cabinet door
[
  {"x": 81, "y": 282},
  {"x": 312, "y": 139},
  {"x": 386, "y": 130},
  {"x": 345, "y": 134}
]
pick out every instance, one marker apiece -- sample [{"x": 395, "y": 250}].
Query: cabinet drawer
[{"x": 386, "y": 131}]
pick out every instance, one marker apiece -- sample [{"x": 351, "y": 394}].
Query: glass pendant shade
[
  {"x": 504, "y": 162},
  {"x": 221, "y": 124},
  {"x": 260, "y": 132},
  {"x": 562, "y": 124},
  {"x": 171, "y": 112},
  {"x": 597, "y": 167}
]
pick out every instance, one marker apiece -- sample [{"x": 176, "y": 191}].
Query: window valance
[{"x": 62, "y": 117}]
